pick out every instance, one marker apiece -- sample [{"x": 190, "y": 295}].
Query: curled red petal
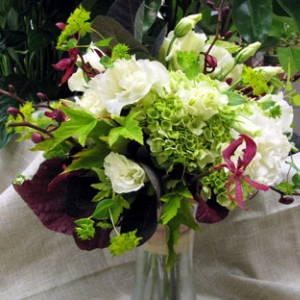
[
  {"x": 63, "y": 64},
  {"x": 229, "y": 151},
  {"x": 249, "y": 151}
]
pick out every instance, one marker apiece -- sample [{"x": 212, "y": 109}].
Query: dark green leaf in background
[
  {"x": 292, "y": 8},
  {"x": 253, "y": 19}
]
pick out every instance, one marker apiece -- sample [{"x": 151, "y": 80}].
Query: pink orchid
[{"x": 239, "y": 169}]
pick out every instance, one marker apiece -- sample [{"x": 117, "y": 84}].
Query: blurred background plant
[{"x": 28, "y": 35}]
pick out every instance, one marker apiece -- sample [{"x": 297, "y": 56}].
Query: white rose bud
[
  {"x": 243, "y": 125},
  {"x": 247, "y": 52},
  {"x": 125, "y": 175},
  {"x": 186, "y": 24}
]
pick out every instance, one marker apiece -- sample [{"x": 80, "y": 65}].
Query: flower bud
[
  {"x": 210, "y": 62},
  {"x": 61, "y": 25},
  {"x": 36, "y": 137},
  {"x": 186, "y": 24},
  {"x": 286, "y": 200},
  {"x": 12, "y": 89},
  {"x": 243, "y": 125},
  {"x": 228, "y": 35},
  {"x": 13, "y": 111},
  {"x": 56, "y": 115},
  {"x": 210, "y": 4},
  {"x": 43, "y": 97},
  {"x": 247, "y": 52}
]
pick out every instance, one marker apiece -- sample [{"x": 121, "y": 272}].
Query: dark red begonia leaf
[
  {"x": 49, "y": 206},
  {"x": 210, "y": 211},
  {"x": 100, "y": 240}
]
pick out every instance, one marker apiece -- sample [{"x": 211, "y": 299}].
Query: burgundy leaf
[
  {"x": 100, "y": 240},
  {"x": 49, "y": 206},
  {"x": 210, "y": 211},
  {"x": 124, "y": 11}
]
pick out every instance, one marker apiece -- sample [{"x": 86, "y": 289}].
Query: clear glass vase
[{"x": 153, "y": 281}]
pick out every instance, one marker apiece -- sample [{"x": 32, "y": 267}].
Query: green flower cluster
[{"x": 176, "y": 136}]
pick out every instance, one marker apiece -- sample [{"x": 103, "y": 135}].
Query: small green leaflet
[
  {"x": 129, "y": 130},
  {"x": 81, "y": 124},
  {"x": 89, "y": 158},
  {"x": 234, "y": 98}
]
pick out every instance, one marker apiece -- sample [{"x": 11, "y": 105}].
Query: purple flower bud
[
  {"x": 225, "y": 12},
  {"x": 13, "y": 111},
  {"x": 43, "y": 97},
  {"x": 36, "y": 137},
  {"x": 12, "y": 89},
  {"x": 56, "y": 115},
  {"x": 211, "y": 62},
  {"x": 228, "y": 35},
  {"x": 286, "y": 200},
  {"x": 210, "y": 4}
]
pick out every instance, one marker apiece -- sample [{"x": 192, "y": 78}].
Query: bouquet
[{"x": 148, "y": 137}]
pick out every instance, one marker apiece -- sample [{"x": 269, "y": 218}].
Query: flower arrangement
[{"x": 147, "y": 138}]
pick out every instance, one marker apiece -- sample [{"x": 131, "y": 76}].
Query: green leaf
[
  {"x": 292, "y": 8},
  {"x": 296, "y": 180},
  {"x": 234, "y": 98},
  {"x": 102, "y": 211},
  {"x": 38, "y": 39},
  {"x": 85, "y": 228},
  {"x": 81, "y": 124},
  {"x": 130, "y": 130},
  {"x": 89, "y": 158},
  {"x": 170, "y": 208},
  {"x": 289, "y": 55},
  {"x": 252, "y": 18}
]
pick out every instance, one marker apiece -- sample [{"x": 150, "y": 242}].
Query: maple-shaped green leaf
[
  {"x": 80, "y": 124},
  {"x": 171, "y": 207},
  {"x": 184, "y": 216},
  {"x": 130, "y": 129},
  {"x": 89, "y": 158}
]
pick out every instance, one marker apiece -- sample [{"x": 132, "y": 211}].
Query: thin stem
[
  {"x": 218, "y": 27},
  {"x": 27, "y": 124}
]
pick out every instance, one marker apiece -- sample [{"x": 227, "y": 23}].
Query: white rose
[
  {"x": 77, "y": 81},
  {"x": 225, "y": 64},
  {"x": 284, "y": 121},
  {"x": 125, "y": 175},
  {"x": 129, "y": 81},
  {"x": 272, "y": 150},
  {"x": 192, "y": 41},
  {"x": 91, "y": 99}
]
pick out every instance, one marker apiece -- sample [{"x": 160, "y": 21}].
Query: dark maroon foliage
[
  {"x": 210, "y": 211},
  {"x": 58, "y": 200}
]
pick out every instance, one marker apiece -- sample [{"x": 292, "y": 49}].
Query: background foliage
[{"x": 28, "y": 35}]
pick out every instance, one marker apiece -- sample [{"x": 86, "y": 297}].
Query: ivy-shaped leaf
[
  {"x": 89, "y": 158},
  {"x": 129, "y": 130}
]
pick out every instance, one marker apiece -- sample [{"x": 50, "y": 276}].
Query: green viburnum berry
[{"x": 123, "y": 242}]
